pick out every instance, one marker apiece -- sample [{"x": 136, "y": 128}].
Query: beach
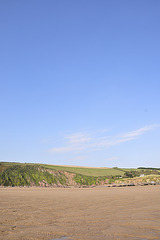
[{"x": 29, "y": 213}]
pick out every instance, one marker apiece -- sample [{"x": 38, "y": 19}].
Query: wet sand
[{"x": 99, "y": 213}]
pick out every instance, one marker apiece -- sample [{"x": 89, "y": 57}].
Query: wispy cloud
[
  {"x": 79, "y": 142},
  {"x": 73, "y": 143},
  {"x": 140, "y": 131},
  {"x": 114, "y": 140},
  {"x": 66, "y": 149},
  {"x": 78, "y": 138}
]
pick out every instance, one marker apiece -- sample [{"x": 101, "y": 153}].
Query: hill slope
[
  {"x": 22, "y": 174},
  {"x": 12, "y": 174}
]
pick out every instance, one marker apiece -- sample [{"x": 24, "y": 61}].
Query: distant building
[{"x": 142, "y": 175}]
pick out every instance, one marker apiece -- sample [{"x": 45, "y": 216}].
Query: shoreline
[{"x": 114, "y": 185}]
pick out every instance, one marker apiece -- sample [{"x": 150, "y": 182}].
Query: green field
[{"x": 96, "y": 172}]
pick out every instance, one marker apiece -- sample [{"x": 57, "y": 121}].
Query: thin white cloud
[
  {"x": 65, "y": 149},
  {"x": 79, "y": 142},
  {"x": 112, "y": 141},
  {"x": 78, "y": 138},
  {"x": 140, "y": 131}
]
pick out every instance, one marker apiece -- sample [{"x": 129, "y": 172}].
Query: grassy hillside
[
  {"x": 22, "y": 174},
  {"x": 96, "y": 172},
  {"x": 28, "y": 175},
  {"x": 105, "y": 172}
]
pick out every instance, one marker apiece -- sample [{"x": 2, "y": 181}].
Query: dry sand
[{"x": 99, "y": 213}]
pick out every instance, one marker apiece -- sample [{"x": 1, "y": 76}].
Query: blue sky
[{"x": 80, "y": 82}]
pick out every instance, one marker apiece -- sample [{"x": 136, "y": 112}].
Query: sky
[{"x": 80, "y": 82}]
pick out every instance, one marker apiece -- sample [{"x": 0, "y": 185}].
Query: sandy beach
[{"x": 98, "y": 213}]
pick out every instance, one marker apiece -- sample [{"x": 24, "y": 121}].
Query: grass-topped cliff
[
  {"x": 29, "y": 175},
  {"x": 23, "y": 174}
]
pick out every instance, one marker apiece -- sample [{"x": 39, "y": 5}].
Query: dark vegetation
[
  {"x": 146, "y": 171},
  {"x": 149, "y": 168},
  {"x": 22, "y": 174}
]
